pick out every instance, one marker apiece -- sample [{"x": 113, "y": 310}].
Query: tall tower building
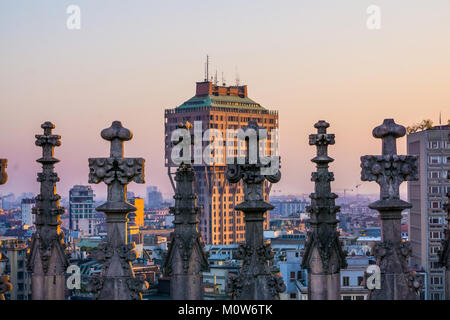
[
  {"x": 154, "y": 197},
  {"x": 81, "y": 210},
  {"x": 221, "y": 108},
  {"x": 427, "y": 195},
  {"x": 25, "y": 207}
]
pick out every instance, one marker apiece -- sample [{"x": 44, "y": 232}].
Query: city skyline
[{"x": 308, "y": 61}]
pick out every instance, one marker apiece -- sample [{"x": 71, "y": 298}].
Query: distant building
[
  {"x": 15, "y": 251},
  {"x": 81, "y": 210},
  {"x": 221, "y": 108},
  {"x": 352, "y": 278},
  {"x": 135, "y": 222},
  {"x": 154, "y": 197},
  {"x": 27, "y": 217},
  {"x": 289, "y": 207},
  {"x": 427, "y": 195}
]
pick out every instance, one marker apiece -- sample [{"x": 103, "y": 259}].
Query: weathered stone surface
[
  {"x": 117, "y": 281},
  {"x": 3, "y": 174},
  {"x": 323, "y": 256},
  {"x": 186, "y": 259},
  {"x": 389, "y": 170},
  {"x": 47, "y": 258},
  {"x": 255, "y": 282},
  {"x": 5, "y": 285}
]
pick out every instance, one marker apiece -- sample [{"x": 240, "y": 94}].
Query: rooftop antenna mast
[
  {"x": 223, "y": 80},
  {"x": 238, "y": 80},
  {"x": 215, "y": 78},
  {"x": 207, "y": 68}
]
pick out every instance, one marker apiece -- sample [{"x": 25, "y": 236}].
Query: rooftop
[{"x": 210, "y": 95}]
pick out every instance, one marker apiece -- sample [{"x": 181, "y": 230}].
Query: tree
[{"x": 426, "y": 124}]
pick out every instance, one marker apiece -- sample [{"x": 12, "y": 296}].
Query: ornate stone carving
[
  {"x": 117, "y": 281},
  {"x": 255, "y": 282},
  {"x": 323, "y": 256},
  {"x": 186, "y": 259},
  {"x": 5, "y": 286},
  {"x": 389, "y": 170},
  {"x": 47, "y": 255},
  {"x": 3, "y": 174}
]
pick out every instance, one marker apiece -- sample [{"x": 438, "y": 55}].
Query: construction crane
[{"x": 345, "y": 194}]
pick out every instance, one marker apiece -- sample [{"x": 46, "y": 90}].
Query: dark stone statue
[
  {"x": 48, "y": 258},
  {"x": 117, "y": 281},
  {"x": 255, "y": 282},
  {"x": 323, "y": 256},
  {"x": 389, "y": 170}
]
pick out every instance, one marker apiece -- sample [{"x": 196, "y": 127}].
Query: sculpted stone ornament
[
  {"x": 3, "y": 175},
  {"x": 5, "y": 286},
  {"x": 323, "y": 256},
  {"x": 117, "y": 281},
  {"x": 186, "y": 259},
  {"x": 389, "y": 170},
  {"x": 47, "y": 257},
  {"x": 255, "y": 282}
]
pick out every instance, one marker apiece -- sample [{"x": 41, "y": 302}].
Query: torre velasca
[{"x": 223, "y": 108}]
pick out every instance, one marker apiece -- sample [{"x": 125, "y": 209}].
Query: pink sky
[{"x": 131, "y": 61}]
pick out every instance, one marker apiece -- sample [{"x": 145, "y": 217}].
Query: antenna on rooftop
[
  {"x": 238, "y": 80},
  {"x": 223, "y": 80},
  {"x": 215, "y": 78},
  {"x": 207, "y": 68}
]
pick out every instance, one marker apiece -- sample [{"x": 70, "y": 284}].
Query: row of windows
[
  {"x": 437, "y": 159},
  {"x": 438, "y": 144},
  {"x": 230, "y": 237},
  {"x": 438, "y": 174},
  {"x": 439, "y": 190},
  {"x": 436, "y": 235}
]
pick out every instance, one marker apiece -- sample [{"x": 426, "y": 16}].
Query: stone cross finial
[
  {"x": 47, "y": 256},
  {"x": 323, "y": 256},
  {"x": 117, "y": 281},
  {"x": 3, "y": 174},
  {"x": 389, "y": 170},
  {"x": 255, "y": 282}
]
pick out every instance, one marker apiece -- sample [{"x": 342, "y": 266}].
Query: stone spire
[
  {"x": 117, "y": 281},
  {"x": 389, "y": 170},
  {"x": 444, "y": 256},
  {"x": 323, "y": 256},
  {"x": 47, "y": 256},
  {"x": 5, "y": 286},
  {"x": 255, "y": 282},
  {"x": 186, "y": 259}
]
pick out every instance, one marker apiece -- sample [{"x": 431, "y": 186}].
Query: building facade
[
  {"x": 25, "y": 207},
  {"x": 427, "y": 195},
  {"x": 81, "y": 210},
  {"x": 14, "y": 250},
  {"x": 154, "y": 197},
  {"x": 221, "y": 108}
]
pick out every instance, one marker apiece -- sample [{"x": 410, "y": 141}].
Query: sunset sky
[{"x": 310, "y": 60}]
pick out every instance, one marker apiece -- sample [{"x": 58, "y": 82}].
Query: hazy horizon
[{"x": 131, "y": 60}]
